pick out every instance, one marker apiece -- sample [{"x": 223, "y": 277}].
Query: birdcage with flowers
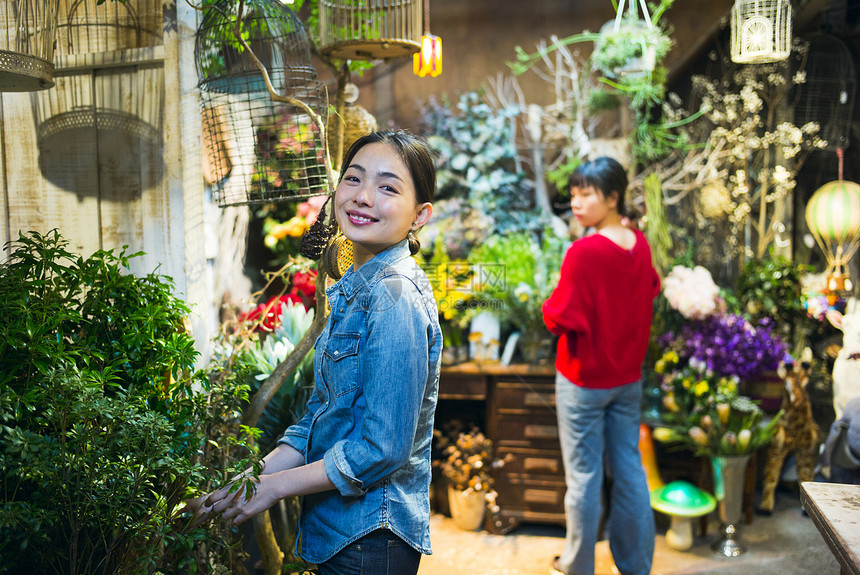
[{"x": 259, "y": 150}]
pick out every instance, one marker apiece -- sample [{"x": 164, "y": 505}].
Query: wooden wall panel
[{"x": 63, "y": 199}]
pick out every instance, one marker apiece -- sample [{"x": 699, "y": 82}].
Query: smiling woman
[
  {"x": 378, "y": 202},
  {"x": 361, "y": 454}
]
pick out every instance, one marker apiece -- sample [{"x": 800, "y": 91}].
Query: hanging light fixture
[
  {"x": 761, "y": 31},
  {"x": 428, "y": 61}
]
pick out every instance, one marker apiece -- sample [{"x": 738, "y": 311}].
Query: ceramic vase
[
  {"x": 467, "y": 508},
  {"x": 729, "y": 474}
]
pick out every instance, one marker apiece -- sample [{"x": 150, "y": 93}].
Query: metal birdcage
[
  {"x": 101, "y": 98},
  {"x": 27, "y": 29},
  {"x": 370, "y": 29},
  {"x": 85, "y": 27},
  {"x": 827, "y": 96},
  {"x": 258, "y": 150},
  {"x": 761, "y": 31}
]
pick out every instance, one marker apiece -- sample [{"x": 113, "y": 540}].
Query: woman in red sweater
[{"x": 601, "y": 309}]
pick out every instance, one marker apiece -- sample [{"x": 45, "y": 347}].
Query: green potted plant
[
  {"x": 527, "y": 272},
  {"x": 103, "y": 417}
]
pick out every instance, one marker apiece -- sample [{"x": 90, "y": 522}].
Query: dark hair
[
  {"x": 412, "y": 149},
  {"x": 417, "y": 156},
  {"x": 605, "y": 175}
]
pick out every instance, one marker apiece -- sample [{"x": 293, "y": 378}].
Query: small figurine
[{"x": 796, "y": 432}]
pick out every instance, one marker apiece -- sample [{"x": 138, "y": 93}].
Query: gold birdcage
[
  {"x": 27, "y": 29},
  {"x": 370, "y": 29},
  {"x": 761, "y": 31}
]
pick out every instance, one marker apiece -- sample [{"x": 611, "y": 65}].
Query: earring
[
  {"x": 337, "y": 257},
  {"x": 316, "y": 238},
  {"x": 414, "y": 244}
]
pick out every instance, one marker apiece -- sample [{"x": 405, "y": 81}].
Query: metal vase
[{"x": 729, "y": 474}]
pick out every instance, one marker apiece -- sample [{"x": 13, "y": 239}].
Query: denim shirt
[{"x": 370, "y": 417}]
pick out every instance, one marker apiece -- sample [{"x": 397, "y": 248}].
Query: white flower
[{"x": 691, "y": 291}]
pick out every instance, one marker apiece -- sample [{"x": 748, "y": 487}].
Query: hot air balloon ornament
[{"x": 833, "y": 217}]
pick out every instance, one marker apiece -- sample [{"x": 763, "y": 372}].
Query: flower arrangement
[
  {"x": 691, "y": 291},
  {"x": 702, "y": 364},
  {"x": 470, "y": 462},
  {"x": 705, "y": 412},
  {"x": 728, "y": 345},
  {"x": 266, "y": 317}
]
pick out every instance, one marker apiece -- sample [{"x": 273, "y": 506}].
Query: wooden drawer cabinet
[
  {"x": 519, "y": 415},
  {"x": 522, "y": 422}
]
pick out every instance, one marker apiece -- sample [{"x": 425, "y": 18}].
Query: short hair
[{"x": 605, "y": 175}]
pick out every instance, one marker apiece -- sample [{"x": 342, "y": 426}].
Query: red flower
[{"x": 269, "y": 314}]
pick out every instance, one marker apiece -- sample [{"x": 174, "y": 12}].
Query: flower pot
[{"x": 467, "y": 508}]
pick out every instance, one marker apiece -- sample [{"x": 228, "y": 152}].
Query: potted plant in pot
[
  {"x": 468, "y": 468},
  {"x": 529, "y": 267}
]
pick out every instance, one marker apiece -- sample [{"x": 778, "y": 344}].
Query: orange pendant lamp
[{"x": 428, "y": 61}]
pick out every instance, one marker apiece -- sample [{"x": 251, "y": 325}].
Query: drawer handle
[
  {"x": 534, "y": 464},
  {"x": 535, "y": 399},
  {"x": 541, "y": 496},
  {"x": 541, "y": 431}
]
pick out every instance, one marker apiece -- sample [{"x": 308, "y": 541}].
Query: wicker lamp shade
[
  {"x": 761, "y": 31},
  {"x": 27, "y": 29},
  {"x": 370, "y": 29},
  {"x": 258, "y": 150}
]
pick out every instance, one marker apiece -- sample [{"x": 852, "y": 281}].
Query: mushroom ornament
[{"x": 682, "y": 501}]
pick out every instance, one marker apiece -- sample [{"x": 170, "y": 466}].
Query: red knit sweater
[{"x": 602, "y": 310}]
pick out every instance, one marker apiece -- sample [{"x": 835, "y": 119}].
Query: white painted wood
[{"x": 135, "y": 181}]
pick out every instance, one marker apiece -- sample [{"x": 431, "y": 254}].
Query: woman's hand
[{"x": 237, "y": 506}]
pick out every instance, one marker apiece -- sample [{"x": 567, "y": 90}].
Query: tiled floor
[{"x": 786, "y": 543}]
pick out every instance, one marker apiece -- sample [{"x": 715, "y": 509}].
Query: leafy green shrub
[
  {"x": 478, "y": 162},
  {"x": 102, "y": 417},
  {"x": 770, "y": 287}
]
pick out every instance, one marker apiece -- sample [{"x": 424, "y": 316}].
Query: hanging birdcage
[
  {"x": 370, "y": 29},
  {"x": 827, "y": 95},
  {"x": 108, "y": 95},
  {"x": 259, "y": 150},
  {"x": 761, "y": 31},
  {"x": 27, "y": 29}
]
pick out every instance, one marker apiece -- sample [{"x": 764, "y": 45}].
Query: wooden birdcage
[
  {"x": 370, "y": 29},
  {"x": 27, "y": 29},
  {"x": 258, "y": 150},
  {"x": 761, "y": 31},
  {"x": 827, "y": 95},
  {"x": 109, "y": 96}
]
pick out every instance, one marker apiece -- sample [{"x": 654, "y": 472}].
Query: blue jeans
[
  {"x": 591, "y": 423},
  {"x": 378, "y": 553}
]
